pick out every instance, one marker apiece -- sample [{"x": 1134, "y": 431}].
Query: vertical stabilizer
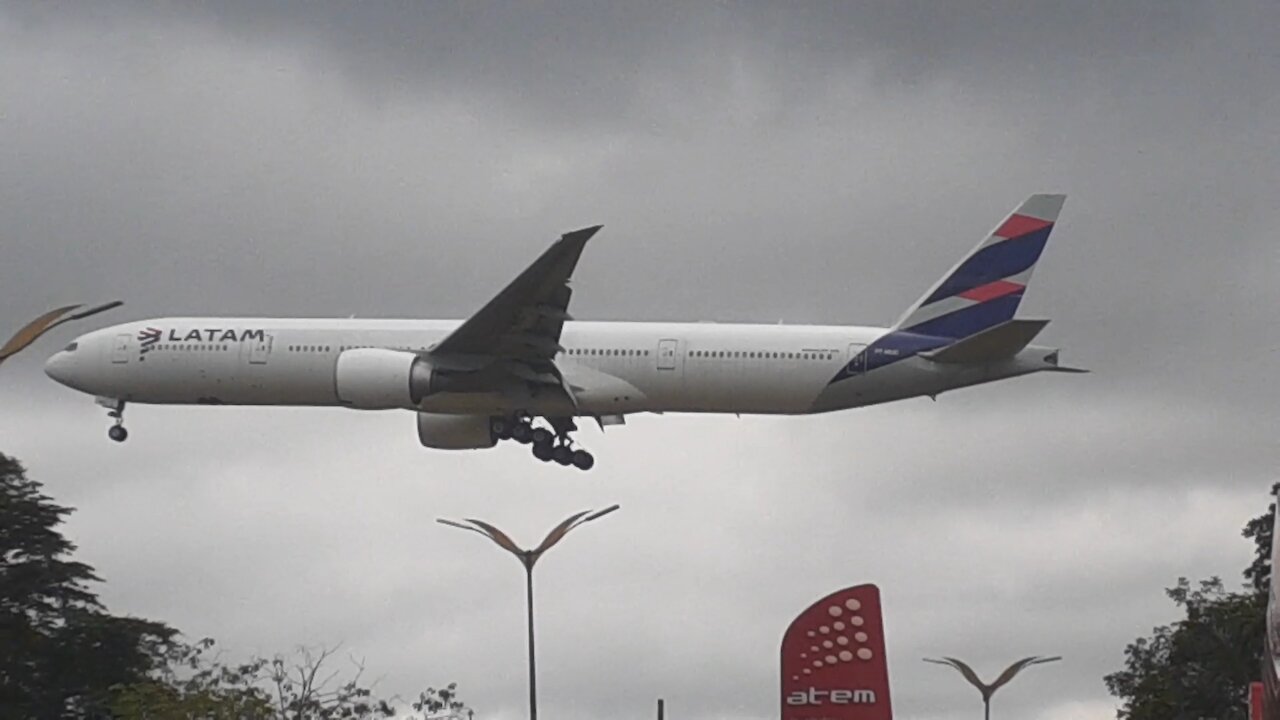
[{"x": 985, "y": 288}]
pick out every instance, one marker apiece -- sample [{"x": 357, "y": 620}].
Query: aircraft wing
[{"x": 522, "y": 323}]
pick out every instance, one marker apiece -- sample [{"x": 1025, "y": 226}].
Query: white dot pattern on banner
[{"x": 841, "y": 632}]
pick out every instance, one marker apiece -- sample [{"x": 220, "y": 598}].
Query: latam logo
[
  {"x": 151, "y": 336},
  {"x": 833, "y": 660}
]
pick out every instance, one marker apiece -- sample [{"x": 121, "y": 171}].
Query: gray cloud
[{"x": 806, "y": 164}]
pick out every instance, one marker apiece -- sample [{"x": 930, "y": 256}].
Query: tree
[
  {"x": 63, "y": 656},
  {"x": 60, "y": 651},
  {"x": 1201, "y": 666},
  {"x": 302, "y": 687}
]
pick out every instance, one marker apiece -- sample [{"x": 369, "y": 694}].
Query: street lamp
[
  {"x": 46, "y": 322},
  {"x": 989, "y": 690},
  {"x": 528, "y": 558}
]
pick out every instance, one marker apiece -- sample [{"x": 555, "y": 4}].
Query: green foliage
[
  {"x": 1201, "y": 666},
  {"x": 63, "y": 656},
  {"x": 196, "y": 687},
  {"x": 1259, "y": 530},
  {"x": 62, "y": 651}
]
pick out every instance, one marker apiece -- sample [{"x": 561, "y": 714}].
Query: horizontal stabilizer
[
  {"x": 996, "y": 343},
  {"x": 1065, "y": 369}
]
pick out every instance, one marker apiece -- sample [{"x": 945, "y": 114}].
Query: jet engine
[
  {"x": 380, "y": 379},
  {"x": 455, "y": 432}
]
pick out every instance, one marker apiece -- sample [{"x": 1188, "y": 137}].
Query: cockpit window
[{"x": 71, "y": 348}]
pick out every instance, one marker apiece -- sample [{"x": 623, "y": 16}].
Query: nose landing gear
[{"x": 115, "y": 409}]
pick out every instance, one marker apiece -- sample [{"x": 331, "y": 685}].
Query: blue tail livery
[{"x": 978, "y": 296}]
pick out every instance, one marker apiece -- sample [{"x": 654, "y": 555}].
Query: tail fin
[{"x": 985, "y": 288}]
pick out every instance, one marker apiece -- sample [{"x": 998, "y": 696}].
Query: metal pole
[
  {"x": 660, "y": 709},
  {"x": 986, "y": 708},
  {"x": 533, "y": 681}
]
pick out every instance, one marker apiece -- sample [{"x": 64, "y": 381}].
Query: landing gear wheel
[
  {"x": 544, "y": 451},
  {"x": 541, "y": 436},
  {"x": 118, "y": 433},
  {"x": 522, "y": 433},
  {"x": 563, "y": 455},
  {"x": 583, "y": 460},
  {"x": 501, "y": 428}
]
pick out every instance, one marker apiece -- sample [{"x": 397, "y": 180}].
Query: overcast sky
[{"x": 807, "y": 163}]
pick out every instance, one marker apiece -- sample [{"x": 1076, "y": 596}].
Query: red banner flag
[{"x": 833, "y": 660}]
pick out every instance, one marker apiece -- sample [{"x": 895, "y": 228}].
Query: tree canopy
[
  {"x": 62, "y": 655},
  {"x": 1201, "y": 666}
]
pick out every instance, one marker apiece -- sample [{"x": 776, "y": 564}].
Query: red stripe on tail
[
  {"x": 1019, "y": 225},
  {"x": 991, "y": 291}
]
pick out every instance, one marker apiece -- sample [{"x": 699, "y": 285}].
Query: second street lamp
[
  {"x": 986, "y": 689},
  {"x": 529, "y": 558}
]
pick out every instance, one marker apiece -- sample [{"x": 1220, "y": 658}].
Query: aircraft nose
[{"x": 59, "y": 367}]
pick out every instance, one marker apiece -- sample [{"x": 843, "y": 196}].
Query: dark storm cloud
[
  {"x": 815, "y": 163},
  {"x": 576, "y": 64}
]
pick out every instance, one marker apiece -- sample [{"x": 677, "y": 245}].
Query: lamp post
[
  {"x": 46, "y": 322},
  {"x": 989, "y": 690},
  {"x": 528, "y": 558}
]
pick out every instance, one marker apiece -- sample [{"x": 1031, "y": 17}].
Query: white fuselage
[{"x": 615, "y": 367}]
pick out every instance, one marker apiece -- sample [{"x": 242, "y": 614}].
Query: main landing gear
[
  {"x": 115, "y": 409},
  {"x": 555, "y": 444}
]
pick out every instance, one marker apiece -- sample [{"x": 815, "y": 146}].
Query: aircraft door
[
  {"x": 122, "y": 348},
  {"x": 667, "y": 354},
  {"x": 260, "y": 349},
  {"x": 856, "y": 363}
]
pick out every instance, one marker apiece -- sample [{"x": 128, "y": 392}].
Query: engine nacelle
[
  {"x": 380, "y": 379},
  {"x": 455, "y": 432}
]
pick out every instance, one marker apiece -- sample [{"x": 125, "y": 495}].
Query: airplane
[{"x": 522, "y": 369}]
